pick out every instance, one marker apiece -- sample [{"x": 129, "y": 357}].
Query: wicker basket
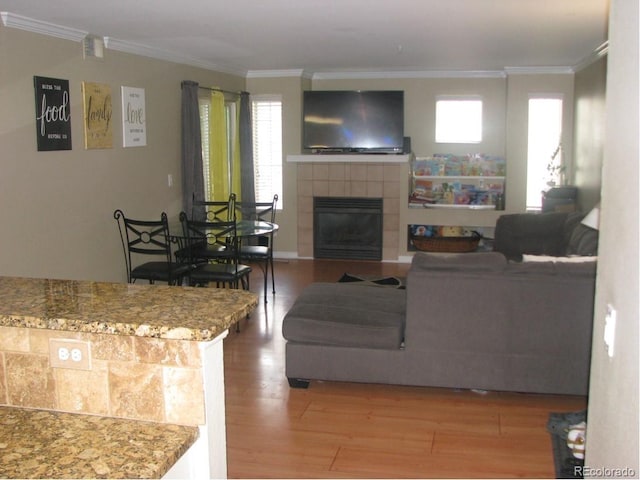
[{"x": 446, "y": 244}]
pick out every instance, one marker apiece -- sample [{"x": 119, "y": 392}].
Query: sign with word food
[
  {"x": 53, "y": 114},
  {"x": 134, "y": 129},
  {"x": 98, "y": 113}
]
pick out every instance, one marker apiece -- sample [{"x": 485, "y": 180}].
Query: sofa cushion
[
  {"x": 484, "y": 261},
  {"x": 347, "y": 315}
]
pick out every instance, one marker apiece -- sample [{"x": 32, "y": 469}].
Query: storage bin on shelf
[{"x": 443, "y": 239}]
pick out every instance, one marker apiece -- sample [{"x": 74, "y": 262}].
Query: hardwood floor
[{"x": 349, "y": 430}]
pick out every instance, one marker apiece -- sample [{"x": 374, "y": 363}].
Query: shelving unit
[
  {"x": 454, "y": 196},
  {"x": 475, "y": 182}
]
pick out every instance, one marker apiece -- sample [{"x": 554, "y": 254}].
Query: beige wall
[
  {"x": 590, "y": 93},
  {"x": 57, "y": 207},
  {"x": 612, "y": 429}
]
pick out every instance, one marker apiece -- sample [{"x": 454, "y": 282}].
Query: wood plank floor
[{"x": 349, "y": 430}]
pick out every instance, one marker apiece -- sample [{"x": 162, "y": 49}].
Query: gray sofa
[{"x": 470, "y": 321}]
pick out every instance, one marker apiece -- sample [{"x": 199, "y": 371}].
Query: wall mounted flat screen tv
[{"x": 353, "y": 121}]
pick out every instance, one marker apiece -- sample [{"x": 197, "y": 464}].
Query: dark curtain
[
  {"x": 192, "y": 175},
  {"x": 247, "y": 183}
]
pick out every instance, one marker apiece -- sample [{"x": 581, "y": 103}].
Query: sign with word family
[
  {"x": 98, "y": 131},
  {"x": 53, "y": 114},
  {"x": 134, "y": 129}
]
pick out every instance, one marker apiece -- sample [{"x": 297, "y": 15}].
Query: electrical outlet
[
  {"x": 610, "y": 329},
  {"x": 67, "y": 353}
]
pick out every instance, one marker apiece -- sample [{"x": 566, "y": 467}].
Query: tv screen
[{"x": 353, "y": 121}]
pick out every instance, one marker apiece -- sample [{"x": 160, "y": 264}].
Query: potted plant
[{"x": 555, "y": 168}]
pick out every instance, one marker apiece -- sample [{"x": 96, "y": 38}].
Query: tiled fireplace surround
[{"x": 353, "y": 179}]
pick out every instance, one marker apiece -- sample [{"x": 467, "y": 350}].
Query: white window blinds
[{"x": 267, "y": 146}]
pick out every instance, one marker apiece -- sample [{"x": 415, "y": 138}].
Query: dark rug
[
  {"x": 394, "y": 282},
  {"x": 558, "y": 427}
]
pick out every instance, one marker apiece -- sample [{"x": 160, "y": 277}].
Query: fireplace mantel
[{"x": 348, "y": 158}]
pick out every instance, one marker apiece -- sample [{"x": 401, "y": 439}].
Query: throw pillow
[{"x": 583, "y": 241}]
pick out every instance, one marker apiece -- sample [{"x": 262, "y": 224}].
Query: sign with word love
[
  {"x": 98, "y": 113},
  {"x": 53, "y": 114},
  {"x": 134, "y": 128}
]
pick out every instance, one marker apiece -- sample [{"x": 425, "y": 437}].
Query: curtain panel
[
  {"x": 191, "y": 139},
  {"x": 218, "y": 160},
  {"x": 246, "y": 150}
]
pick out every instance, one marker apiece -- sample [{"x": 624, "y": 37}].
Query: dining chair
[
  {"x": 201, "y": 251},
  {"x": 260, "y": 248},
  {"x": 225, "y": 269},
  {"x": 145, "y": 239},
  {"x": 215, "y": 211}
]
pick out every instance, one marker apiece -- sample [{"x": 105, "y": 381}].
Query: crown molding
[
  {"x": 160, "y": 54},
  {"x": 45, "y": 28},
  {"x": 401, "y": 74},
  {"x": 37, "y": 26},
  {"x": 539, "y": 70},
  {"x": 597, "y": 54},
  {"x": 294, "y": 72}
]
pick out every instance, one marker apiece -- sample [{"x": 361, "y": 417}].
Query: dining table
[{"x": 245, "y": 229}]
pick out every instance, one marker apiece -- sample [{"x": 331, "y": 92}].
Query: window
[
  {"x": 458, "y": 120},
  {"x": 266, "y": 113},
  {"x": 544, "y": 155},
  {"x": 205, "y": 108}
]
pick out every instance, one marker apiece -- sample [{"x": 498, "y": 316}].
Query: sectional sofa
[{"x": 470, "y": 321}]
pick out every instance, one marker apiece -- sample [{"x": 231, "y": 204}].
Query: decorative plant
[{"x": 555, "y": 168}]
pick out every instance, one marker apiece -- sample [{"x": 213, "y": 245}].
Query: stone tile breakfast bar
[{"x": 111, "y": 380}]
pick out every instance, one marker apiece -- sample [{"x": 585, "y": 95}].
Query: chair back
[
  {"x": 259, "y": 211},
  {"x": 263, "y": 211},
  {"x": 219, "y": 236},
  {"x": 215, "y": 211},
  {"x": 145, "y": 238}
]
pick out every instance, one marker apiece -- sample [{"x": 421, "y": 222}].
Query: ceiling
[{"x": 245, "y": 36}]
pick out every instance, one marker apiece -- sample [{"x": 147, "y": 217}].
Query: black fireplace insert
[{"x": 347, "y": 227}]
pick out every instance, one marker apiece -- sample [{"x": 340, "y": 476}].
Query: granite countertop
[
  {"x": 160, "y": 311},
  {"x": 32, "y": 445}
]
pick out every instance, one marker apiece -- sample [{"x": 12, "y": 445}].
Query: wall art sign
[
  {"x": 53, "y": 113},
  {"x": 98, "y": 113},
  {"x": 134, "y": 128}
]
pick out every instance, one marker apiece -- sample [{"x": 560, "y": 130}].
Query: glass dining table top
[
  {"x": 249, "y": 228},
  {"x": 244, "y": 228}
]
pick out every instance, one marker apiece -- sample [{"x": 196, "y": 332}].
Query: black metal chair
[
  {"x": 215, "y": 211},
  {"x": 148, "y": 239},
  {"x": 203, "y": 251},
  {"x": 259, "y": 249},
  {"x": 225, "y": 268}
]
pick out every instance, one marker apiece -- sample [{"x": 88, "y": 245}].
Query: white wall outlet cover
[
  {"x": 610, "y": 329},
  {"x": 69, "y": 353}
]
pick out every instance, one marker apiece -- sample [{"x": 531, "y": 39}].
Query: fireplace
[{"x": 347, "y": 227}]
